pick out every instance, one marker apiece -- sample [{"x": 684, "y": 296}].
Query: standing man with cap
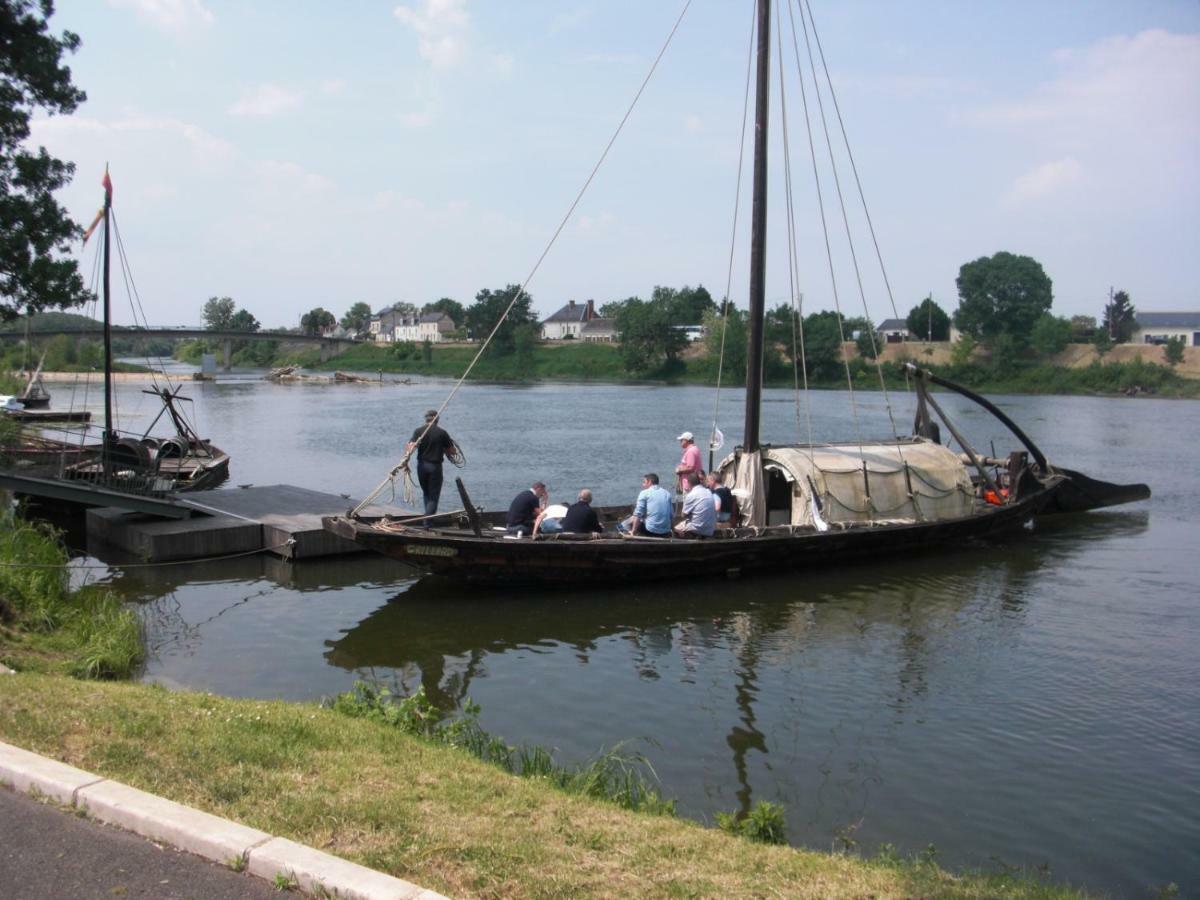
[
  {"x": 690, "y": 470},
  {"x": 432, "y": 444}
]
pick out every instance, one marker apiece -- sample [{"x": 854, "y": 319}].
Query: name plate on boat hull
[{"x": 416, "y": 550}]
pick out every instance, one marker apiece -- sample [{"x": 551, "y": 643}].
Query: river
[{"x": 1030, "y": 703}]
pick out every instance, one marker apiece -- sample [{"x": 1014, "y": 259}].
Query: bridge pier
[
  {"x": 227, "y": 354},
  {"x": 326, "y": 351}
]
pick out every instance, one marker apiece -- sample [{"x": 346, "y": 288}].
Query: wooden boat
[
  {"x": 803, "y": 505},
  {"x": 145, "y": 464},
  {"x": 34, "y": 395}
]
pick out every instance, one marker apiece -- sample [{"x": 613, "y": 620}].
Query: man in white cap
[{"x": 690, "y": 470}]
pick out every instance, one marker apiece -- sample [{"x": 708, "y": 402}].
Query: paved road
[{"x": 49, "y": 854}]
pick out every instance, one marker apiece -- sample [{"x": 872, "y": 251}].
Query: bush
[
  {"x": 92, "y": 627},
  {"x": 1174, "y": 351},
  {"x": 764, "y": 824}
]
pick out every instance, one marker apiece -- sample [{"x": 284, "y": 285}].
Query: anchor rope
[{"x": 173, "y": 562}]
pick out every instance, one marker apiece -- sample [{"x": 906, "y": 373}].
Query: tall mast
[
  {"x": 108, "y": 417},
  {"x": 758, "y": 230}
]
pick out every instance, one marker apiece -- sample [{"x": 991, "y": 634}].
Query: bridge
[{"x": 329, "y": 346}]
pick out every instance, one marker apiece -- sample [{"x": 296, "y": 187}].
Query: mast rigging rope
[{"x": 403, "y": 464}]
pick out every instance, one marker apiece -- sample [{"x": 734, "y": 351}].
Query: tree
[
  {"x": 37, "y": 232},
  {"x": 1082, "y": 328},
  {"x": 963, "y": 350},
  {"x": 1002, "y": 295},
  {"x": 734, "y": 329},
  {"x": 862, "y": 332},
  {"x": 1120, "y": 317},
  {"x": 647, "y": 338},
  {"x": 1102, "y": 342},
  {"x": 780, "y": 326},
  {"x": 1174, "y": 351},
  {"x": 316, "y": 321},
  {"x": 242, "y": 320},
  {"x": 489, "y": 307},
  {"x": 1051, "y": 334},
  {"x": 823, "y": 344},
  {"x": 218, "y": 313},
  {"x": 357, "y": 318},
  {"x": 928, "y": 322},
  {"x": 452, "y": 308},
  {"x": 685, "y": 306},
  {"x": 611, "y": 309}
]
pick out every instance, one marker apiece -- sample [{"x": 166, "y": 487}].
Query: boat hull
[{"x": 572, "y": 559}]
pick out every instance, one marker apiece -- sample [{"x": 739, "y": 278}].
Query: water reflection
[{"x": 710, "y": 646}]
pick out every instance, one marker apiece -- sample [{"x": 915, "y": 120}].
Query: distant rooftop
[{"x": 1167, "y": 319}]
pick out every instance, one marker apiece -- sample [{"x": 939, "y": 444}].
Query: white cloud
[
  {"x": 693, "y": 122},
  {"x": 204, "y": 144},
  {"x": 292, "y": 176},
  {"x": 1122, "y": 111},
  {"x": 442, "y": 30},
  {"x": 415, "y": 120},
  {"x": 591, "y": 224},
  {"x": 1047, "y": 179},
  {"x": 1117, "y": 85},
  {"x": 333, "y": 86},
  {"x": 569, "y": 20},
  {"x": 393, "y": 201},
  {"x": 267, "y": 100},
  {"x": 169, "y": 15}
]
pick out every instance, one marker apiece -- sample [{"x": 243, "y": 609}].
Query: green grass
[
  {"x": 420, "y": 809},
  {"x": 389, "y": 783},
  {"x": 45, "y": 626}
]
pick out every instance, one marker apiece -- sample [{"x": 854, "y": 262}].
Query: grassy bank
[
  {"x": 44, "y": 625},
  {"x": 389, "y": 783},
  {"x": 602, "y": 362},
  {"x": 425, "y": 812}
]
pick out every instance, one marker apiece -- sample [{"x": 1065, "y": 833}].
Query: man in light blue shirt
[
  {"x": 652, "y": 512},
  {"x": 699, "y": 513}
]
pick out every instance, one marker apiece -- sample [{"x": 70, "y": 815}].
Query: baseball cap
[{"x": 686, "y": 436}]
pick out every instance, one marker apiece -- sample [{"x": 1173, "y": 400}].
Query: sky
[{"x": 298, "y": 154}]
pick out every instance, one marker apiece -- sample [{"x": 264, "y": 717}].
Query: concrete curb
[{"x": 201, "y": 833}]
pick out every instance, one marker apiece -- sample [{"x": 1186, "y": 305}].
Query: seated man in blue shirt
[
  {"x": 699, "y": 513},
  {"x": 652, "y": 512}
]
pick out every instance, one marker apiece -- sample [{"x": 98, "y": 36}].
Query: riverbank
[
  {"x": 1129, "y": 375},
  {"x": 426, "y": 813},
  {"x": 404, "y": 805}
]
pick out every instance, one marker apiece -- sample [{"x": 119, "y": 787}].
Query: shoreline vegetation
[
  {"x": 595, "y": 362},
  {"x": 391, "y": 784}
]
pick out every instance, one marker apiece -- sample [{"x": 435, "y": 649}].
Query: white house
[
  {"x": 383, "y": 325},
  {"x": 568, "y": 322},
  {"x": 892, "y": 331},
  {"x": 432, "y": 327},
  {"x": 1159, "y": 327}
]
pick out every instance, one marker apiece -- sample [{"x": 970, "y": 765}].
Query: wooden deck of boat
[
  {"x": 281, "y": 519},
  {"x": 49, "y": 415}
]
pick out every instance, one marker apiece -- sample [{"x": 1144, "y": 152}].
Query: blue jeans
[{"x": 429, "y": 474}]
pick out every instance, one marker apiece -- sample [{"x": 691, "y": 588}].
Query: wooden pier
[{"x": 281, "y": 519}]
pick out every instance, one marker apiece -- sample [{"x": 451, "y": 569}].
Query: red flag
[
  {"x": 107, "y": 184},
  {"x": 96, "y": 221}
]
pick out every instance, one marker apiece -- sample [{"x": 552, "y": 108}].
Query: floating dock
[{"x": 281, "y": 519}]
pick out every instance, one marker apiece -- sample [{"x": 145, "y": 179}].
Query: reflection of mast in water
[{"x": 745, "y": 737}]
